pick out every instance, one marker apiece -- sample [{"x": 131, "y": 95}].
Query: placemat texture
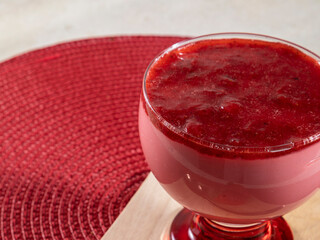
[{"x": 70, "y": 156}]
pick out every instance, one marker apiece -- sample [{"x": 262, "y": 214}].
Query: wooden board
[{"x": 148, "y": 214}]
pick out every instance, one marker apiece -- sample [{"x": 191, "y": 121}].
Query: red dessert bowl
[{"x": 225, "y": 183}]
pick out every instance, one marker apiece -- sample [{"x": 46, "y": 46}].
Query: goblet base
[{"x": 189, "y": 226}]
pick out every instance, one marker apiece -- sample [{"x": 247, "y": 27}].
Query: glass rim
[{"x": 225, "y": 147}]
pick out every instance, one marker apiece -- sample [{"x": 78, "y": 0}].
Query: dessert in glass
[{"x": 230, "y": 127}]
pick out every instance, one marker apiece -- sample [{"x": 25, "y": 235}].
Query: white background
[{"x": 29, "y": 24}]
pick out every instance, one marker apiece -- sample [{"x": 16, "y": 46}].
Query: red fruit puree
[{"x": 238, "y": 92}]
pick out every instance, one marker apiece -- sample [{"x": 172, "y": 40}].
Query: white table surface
[{"x": 31, "y": 24}]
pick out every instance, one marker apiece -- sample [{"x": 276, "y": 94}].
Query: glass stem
[
  {"x": 190, "y": 226},
  {"x": 207, "y": 227}
]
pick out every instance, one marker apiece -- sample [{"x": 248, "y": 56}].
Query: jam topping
[{"x": 238, "y": 92}]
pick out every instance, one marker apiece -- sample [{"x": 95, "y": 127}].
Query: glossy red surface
[{"x": 238, "y": 92}]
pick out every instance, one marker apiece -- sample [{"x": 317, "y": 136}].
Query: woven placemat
[{"x": 70, "y": 155}]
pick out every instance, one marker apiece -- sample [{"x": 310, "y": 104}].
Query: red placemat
[{"x": 70, "y": 155}]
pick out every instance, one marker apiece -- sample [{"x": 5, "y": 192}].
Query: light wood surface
[
  {"x": 151, "y": 210},
  {"x": 147, "y": 214}
]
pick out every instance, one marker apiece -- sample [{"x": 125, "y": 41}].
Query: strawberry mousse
[{"x": 230, "y": 126}]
